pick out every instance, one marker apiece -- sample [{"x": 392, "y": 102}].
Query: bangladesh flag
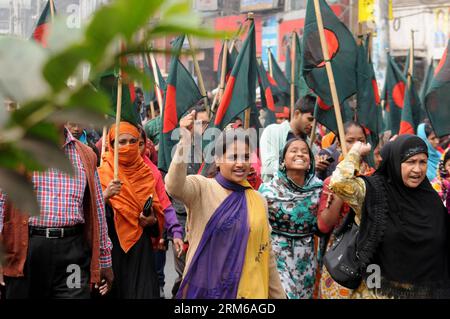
[
  {"x": 368, "y": 108},
  {"x": 342, "y": 50},
  {"x": 41, "y": 30},
  {"x": 151, "y": 95},
  {"x": 437, "y": 99},
  {"x": 427, "y": 81},
  {"x": 301, "y": 89},
  {"x": 266, "y": 94},
  {"x": 280, "y": 84},
  {"x": 240, "y": 88},
  {"x": 406, "y": 66},
  {"x": 325, "y": 115},
  {"x": 108, "y": 82},
  {"x": 182, "y": 93},
  {"x": 395, "y": 87},
  {"x": 229, "y": 66}
]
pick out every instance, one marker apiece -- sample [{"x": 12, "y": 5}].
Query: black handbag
[{"x": 341, "y": 259}]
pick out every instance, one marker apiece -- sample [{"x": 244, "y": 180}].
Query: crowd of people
[{"x": 257, "y": 226}]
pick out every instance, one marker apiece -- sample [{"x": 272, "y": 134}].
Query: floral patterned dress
[{"x": 293, "y": 217}]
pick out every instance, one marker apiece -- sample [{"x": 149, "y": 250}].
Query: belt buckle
[{"x": 47, "y": 233}]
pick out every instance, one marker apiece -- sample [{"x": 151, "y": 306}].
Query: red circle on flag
[
  {"x": 322, "y": 104},
  {"x": 333, "y": 46},
  {"x": 375, "y": 91},
  {"x": 398, "y": 94},
  {"x": 441, "y": 63}
]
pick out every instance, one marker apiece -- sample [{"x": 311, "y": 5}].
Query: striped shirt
[{"x": 61, "y": 200}]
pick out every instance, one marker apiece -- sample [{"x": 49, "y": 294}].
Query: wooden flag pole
[
  {"x": 250, "y": 17},
  {"x": 223, "y": 70},
  {"x": 312, "y": 138},
  {"x": 152, "y": 109},
  {"x": 369, "y": 47},
  {"x": 201, "y": 84},
  {"x": 293, "y": 53},
  {"x": 330, "y": 74},
  {"x": 105, "y": 129},
  {"x": 411, "y": 60},
  {"x": 270, "y": 62},
  {"x": 116, "y": 136},
  {"x": 156, "y": 77},
  {"x": 52, "y": 10}
]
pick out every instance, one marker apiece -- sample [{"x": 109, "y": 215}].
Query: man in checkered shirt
[{"x": 66, "y": 250}]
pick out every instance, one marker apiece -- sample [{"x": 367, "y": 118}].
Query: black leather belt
[{"x": 55, "y": 232}]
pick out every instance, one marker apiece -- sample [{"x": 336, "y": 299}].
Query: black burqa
[{"x": 405, "y": 230}]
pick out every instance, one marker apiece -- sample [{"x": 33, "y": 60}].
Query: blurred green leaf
[
  {"x": 60, "y": 67},
  {"x": 60, "y": 36},
  {"x": 20, "y": 191},
  {"x": 81, "y": 116},
  {"x": 46, "y": 153},
  {"x": 137, "y": 75},
  {"x": 46, "y": 131},
  {"x": 21, "y": 64},
  {"x": 90, "y": 98}
]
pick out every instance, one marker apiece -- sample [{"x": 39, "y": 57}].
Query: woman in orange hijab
[{"x": 129, "y": 229}]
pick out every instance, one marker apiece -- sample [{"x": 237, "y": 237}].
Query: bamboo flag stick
[
  {"x": 105, "y": 129},
  {"x": 52, "y": 10},
  {"x": 248, "y": 111},
  {"x": 116, "y": 137},
  {"x": 152, "y": 62},
  {"x": 330, "y": 74},
  {"x": 369, "y": 47},
  {"x": 312, "y": 138},
  {"x": 293, "y": 53},
  {"x": 201, "y": 84},
  {"x": 223, "y": 70},
  {"x": 270, "y": 63},
  {"x": 411, "y": 60},
  {"x": 152, "y": 109},
  {"x": 247, "y": 118}
]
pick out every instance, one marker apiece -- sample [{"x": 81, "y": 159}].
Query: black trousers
[{"x": 54, "y": 268}]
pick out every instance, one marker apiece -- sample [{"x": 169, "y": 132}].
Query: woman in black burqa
[{"x": 404, "y": 226}]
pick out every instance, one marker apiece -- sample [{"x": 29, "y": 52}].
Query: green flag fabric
[
  {"x": 368, "y": 108},
  {"x": 228, "y": 67},
  {"x": 395, "y": 87},
  {"x": 437, "y": 99},
  {"x": 267, "y": 100},
  {"x": 129, "y": 110},
  {"x": 427, "y": 81},
  {"x": 301, "y": 88},
  {"x": 182, "y": 93},
  {"x": 41, "y": 30},
  {"x": 240, "y": 88},
  {"x": 150, "y": 95},
  {"x": 342, "y": 50}
]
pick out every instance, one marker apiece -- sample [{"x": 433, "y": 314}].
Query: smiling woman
[
  {"x": 225, "y": 259},
  {"x": 293, "y": 196}
]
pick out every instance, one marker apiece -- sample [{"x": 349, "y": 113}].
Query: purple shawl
[{"x": 215, "y": 269}]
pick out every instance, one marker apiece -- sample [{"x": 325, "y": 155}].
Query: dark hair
[
  {"x": 446, "y": 157},
  {"x": 288, "y": 143},
  {"x": 229, "y": 137},
  {"x": 306, "y": 104},
  {"x": 428, "y": 130},
  {"x": 138, "y": 90},
  {"x": 350, "y": 124},
  {"x": 347, "y": 126}
]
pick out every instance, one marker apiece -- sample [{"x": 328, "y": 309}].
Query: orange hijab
[{"x": 138, "y": 184}]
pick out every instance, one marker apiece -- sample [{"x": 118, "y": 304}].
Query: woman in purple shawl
[{"x": 230, "y": 254}]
